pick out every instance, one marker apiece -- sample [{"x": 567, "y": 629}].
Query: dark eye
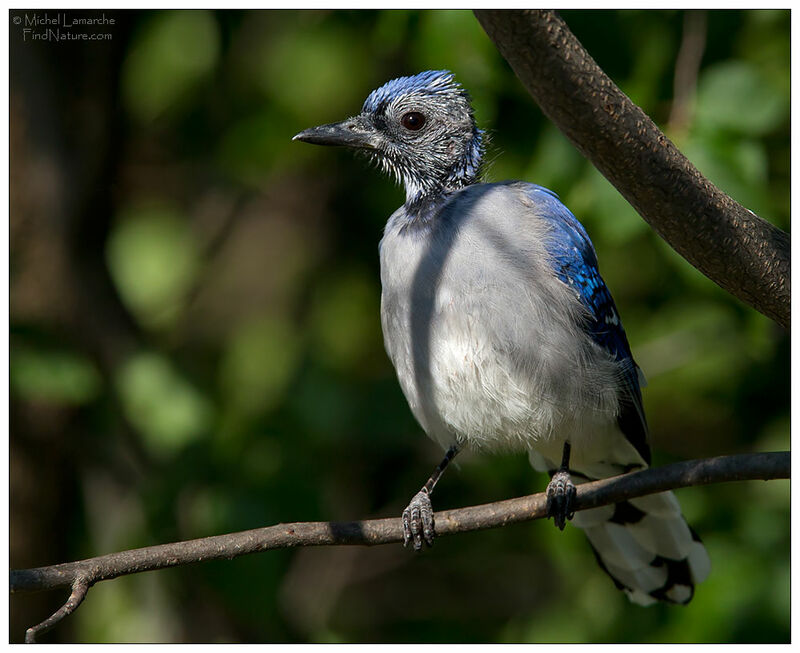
[{"x": 413, "y": 120}]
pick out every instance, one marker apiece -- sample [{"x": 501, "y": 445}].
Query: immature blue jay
[{"x": 504, "y": 335}]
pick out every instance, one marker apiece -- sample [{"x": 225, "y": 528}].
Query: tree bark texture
[{"x": 741, "y": 252}]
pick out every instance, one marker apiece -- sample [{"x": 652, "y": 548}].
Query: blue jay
[{"x": 504, "y": 335}]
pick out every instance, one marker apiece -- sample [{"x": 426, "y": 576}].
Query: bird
[{"x": 505, "y": 337}]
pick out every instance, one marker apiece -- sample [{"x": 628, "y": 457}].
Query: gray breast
[{"x": 485, "y": 339}]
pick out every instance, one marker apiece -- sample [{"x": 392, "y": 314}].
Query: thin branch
[
  {"x": 741, "y": 467},
  {"x": 80, "y": 587},
  {"x": 81, "y": 575},
  {"x": 744, "y": 254},
  {"x": 687, "y": 68}
]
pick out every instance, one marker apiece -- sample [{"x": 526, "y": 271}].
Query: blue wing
[{"x": 575, "y": 263}]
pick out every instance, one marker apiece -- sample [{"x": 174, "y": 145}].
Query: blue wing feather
[{"x": 575, "y": 263}]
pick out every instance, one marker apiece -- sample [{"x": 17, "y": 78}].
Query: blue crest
[{"x": 432, "y": 82}]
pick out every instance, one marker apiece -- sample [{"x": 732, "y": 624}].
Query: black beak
[{"x": 353, "y": 132}]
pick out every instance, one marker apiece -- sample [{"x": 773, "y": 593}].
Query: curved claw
[
  {"x": 561, "y": 493},
  {"x": 418, "y": 521}
]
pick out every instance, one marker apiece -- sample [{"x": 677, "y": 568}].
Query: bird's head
[{"x": 420, "y": 129}]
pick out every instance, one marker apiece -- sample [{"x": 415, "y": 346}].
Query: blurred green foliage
[
  {"x": 260, "y": 391},
  {"x": 171, "y": 54},
  {"x": 153, "y": 259},
  {"x": 51, "y": 375},
  {"x": 164, "y": 408}
]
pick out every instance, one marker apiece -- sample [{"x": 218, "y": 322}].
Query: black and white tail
[{"x": 644, "y": 544}]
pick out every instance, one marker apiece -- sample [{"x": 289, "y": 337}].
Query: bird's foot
[
  {"x": 418, "y": 523},
  {"x": 560, "y": 498}
]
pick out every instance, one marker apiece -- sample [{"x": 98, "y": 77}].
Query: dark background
[{"x": 196, "y": 347}]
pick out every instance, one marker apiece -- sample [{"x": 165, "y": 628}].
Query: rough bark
[{"x": 741, "y": 252}]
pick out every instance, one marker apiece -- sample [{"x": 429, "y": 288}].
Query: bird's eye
[{"x": 413, "y": 120}]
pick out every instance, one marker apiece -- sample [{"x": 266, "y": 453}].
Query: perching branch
[
  {"x": 83, "y": 574},
  {"x": 741, "y": 252}
]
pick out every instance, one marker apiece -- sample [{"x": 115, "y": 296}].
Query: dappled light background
[{"x": 196, "y": 345}]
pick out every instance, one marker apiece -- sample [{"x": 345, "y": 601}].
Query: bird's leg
[
  {"x": 418, "y": 523},
  {"x": 561, "y": 493}
]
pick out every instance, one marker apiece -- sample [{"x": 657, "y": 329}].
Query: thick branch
[
  {"x": 744, "y": 254},
  {"x": 743, "y": 467}
]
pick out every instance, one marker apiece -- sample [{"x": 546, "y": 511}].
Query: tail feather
[
  {"x": 663, "y": 504},
  {"x": 644, "y": 544},
  {"x": 668, "y": 537}
]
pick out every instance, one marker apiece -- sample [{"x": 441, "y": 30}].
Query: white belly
[
  {"x": 491, "y": 364},
  {"x": 464, "y": 389}
]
